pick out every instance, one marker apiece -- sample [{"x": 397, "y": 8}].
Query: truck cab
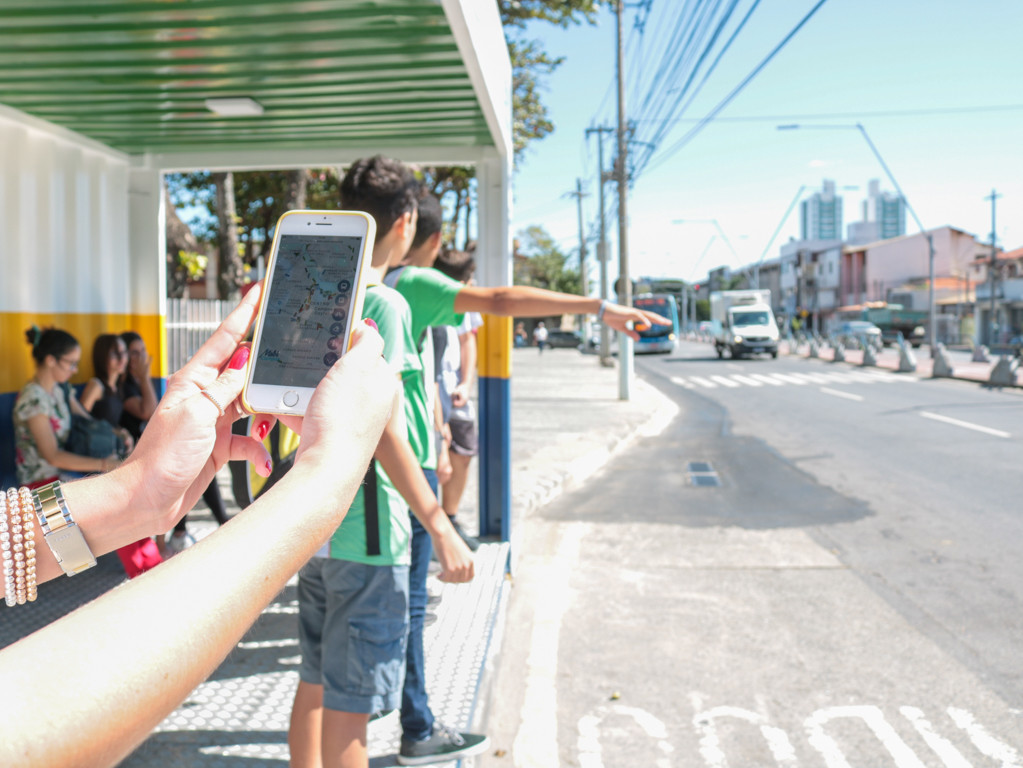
[{"x": 743, "y": 323}]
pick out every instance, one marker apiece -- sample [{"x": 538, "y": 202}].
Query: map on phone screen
[{"x": 311, "y": 293}]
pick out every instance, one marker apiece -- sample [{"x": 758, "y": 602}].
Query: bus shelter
[{"x": 99, "y": 100}]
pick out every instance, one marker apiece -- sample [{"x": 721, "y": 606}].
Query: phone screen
[{"x": 307, "y": 309}]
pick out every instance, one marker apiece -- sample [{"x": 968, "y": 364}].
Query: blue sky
[{"x": 938, "y": 86}]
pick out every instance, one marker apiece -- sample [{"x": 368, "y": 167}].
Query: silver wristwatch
[{"x": 63, "y": 536}]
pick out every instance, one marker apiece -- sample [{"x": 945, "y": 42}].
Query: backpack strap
[{"x": 372, "y": 511}]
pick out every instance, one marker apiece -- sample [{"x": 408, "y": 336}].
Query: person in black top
[{"x": 103, "y": 396}]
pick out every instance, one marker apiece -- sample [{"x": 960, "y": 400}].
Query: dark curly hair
[
  {"x": 386, "y": 189},
  {"x": 431, "y": 218},
  {"x": 51, "y": 341},
  {"x": 458, "y": 265}
]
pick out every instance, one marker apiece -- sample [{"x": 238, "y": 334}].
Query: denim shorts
[{"x": 353, "y": 629}]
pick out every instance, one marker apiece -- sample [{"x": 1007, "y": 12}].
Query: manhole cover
[
  {"x": 706, "y": 481},
  {"x": 700, "y": 466}
]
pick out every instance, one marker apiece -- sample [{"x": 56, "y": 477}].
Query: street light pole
[
  {"x": 625, "y": 361},
  {"x": 605, "y": 333},
  {"x": 932, "y": 335}
]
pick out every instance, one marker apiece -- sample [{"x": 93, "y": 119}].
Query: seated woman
[
  {"x": 103, "y": 396},
  {"x": 42, "y": 414}
]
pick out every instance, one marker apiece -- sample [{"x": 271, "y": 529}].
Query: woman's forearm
[{"x": 169, "y": 613}]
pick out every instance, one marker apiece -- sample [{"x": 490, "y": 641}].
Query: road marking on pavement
[
  {"x": 788, "y": 379},
  {"x": 964, "y": 424},
  {"x": 767, "y": 379},
  {"x": 874, "y": 719},
  {"x": 257, "y": 644},
  {"x": 724, "y": 380},
  {"x": 950, "y": 756},
  {"x": 588, "y": 744},
  {"x": 839, "y": 393},
  {"x": 678, "y": 380},
  {"x": 703, "y": 382},
  {"x": 747, "y": 380},
  {"x": 983, "y": 740},
  {"x": 537, "y": 738}
]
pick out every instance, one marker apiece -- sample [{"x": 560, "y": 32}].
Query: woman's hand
[
  {"x": 138, "y": 366},
  {"x": 187, "y": 440}
]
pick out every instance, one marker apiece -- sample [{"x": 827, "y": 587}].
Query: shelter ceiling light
[{"x": 235, "y": 107}]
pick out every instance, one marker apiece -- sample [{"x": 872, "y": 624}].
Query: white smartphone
[{"x": 315, "y": 284}]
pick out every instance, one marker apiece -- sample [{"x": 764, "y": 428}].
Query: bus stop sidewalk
[{"x": 567, "y": 422}]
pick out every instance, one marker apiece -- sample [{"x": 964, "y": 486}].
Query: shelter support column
[
  {"x": 147, "y": 248},
  {"x": 494, "y": 268}
]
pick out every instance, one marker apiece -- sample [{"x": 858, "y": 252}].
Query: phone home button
[{"x": 290, "y": 399}]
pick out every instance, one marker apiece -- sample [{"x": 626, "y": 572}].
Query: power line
[
  {"x": 931, "y": 111},
  {"x": 739, "y": 88}
]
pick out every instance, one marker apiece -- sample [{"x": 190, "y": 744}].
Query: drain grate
[{"x": 702, "y": 474}]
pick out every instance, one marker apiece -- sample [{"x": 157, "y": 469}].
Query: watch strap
[{"x": 62, "y": 534}]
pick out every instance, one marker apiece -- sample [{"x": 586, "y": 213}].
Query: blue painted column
[{"x": 495, "y": 343}]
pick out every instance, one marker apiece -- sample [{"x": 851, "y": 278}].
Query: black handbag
[{"x": 90, "y": 437}]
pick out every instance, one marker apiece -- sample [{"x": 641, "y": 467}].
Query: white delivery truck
[{"x": 742, "y": 322}]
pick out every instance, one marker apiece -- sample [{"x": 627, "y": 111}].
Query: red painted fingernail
[
  {"x": 241, "y": 356},
  {"x": 369, "y": 321},
  {"x": 269, "y": 466},
  {"x": 262, "y": 429}
]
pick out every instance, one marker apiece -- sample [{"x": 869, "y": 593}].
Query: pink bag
[{"x": 139, "y": 557}]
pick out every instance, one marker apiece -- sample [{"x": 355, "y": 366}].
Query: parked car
[
  {"x": 566, "y": 339},
  {"x": 859, "y": 333}
]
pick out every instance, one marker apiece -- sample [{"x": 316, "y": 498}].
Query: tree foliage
[{"x": 540, "y": 263}]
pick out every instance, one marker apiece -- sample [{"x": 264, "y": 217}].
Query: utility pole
[
  {"x": 993, "y": 269},
  {"x": 579, "y": 195},
  {"x": 605, "y": 334},
  {"x": 583, "y": 282},
  {"x": 625, "y": 361}
]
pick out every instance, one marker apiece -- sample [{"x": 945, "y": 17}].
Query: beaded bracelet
[
  {"x": 5, "y": 552},
  {"x": 28, "y": 522},
  {"x": 17, "y": 544}
]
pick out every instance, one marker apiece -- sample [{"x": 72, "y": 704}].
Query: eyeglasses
[
  {"x": 118, "y": 353},
  {"x": 71, "y": 364}
]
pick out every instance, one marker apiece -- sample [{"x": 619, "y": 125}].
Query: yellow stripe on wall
[
  {"x": 18, "y": 365},
  {"x": 495, "y": 344}
]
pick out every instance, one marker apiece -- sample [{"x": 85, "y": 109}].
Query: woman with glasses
[
  {"x": 103, "y": 397},
  {"x": 42, "y": 414}
]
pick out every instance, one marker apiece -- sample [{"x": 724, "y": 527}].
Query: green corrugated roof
[{"x": 135, "y": 74}]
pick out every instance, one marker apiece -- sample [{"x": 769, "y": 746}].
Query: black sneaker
[
  {"x": 444, "y": 744},
  {"x": 470, "y": 541}
]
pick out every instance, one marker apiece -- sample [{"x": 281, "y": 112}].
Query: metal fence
[{"x": 189, "y": 323}]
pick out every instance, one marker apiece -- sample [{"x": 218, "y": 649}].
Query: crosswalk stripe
[
  {"x": 747, "y": 380},
  {"x": 788, "y": 379},
  {"x": 767, "y": 379},
  {"x": 681, "y": 382},
  {"x": 813, "y": 378},
  {"x": 703, "y": 382},
  {"x": 725, "y": 381}
]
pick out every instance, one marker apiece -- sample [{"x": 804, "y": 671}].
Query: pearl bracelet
[
  {"x": 28, "y": 522},
  {"x": 17, "y": 544},
  {"x": 5, "y": 551}
]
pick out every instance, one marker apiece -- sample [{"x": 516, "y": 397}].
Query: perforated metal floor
[{"x": 239, "y": 717}]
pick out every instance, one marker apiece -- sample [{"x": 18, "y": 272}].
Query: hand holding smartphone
[{"x": 312, "y": 298}]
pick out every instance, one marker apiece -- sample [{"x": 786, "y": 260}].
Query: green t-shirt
[
  {"x": 394, "y": 320},
  {"x": 431, "y": 297}
]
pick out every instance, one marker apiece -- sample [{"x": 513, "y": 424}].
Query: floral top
[{"x": 33, "y": 400}]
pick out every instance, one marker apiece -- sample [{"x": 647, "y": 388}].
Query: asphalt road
[{"x": 813, "y": 565}]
